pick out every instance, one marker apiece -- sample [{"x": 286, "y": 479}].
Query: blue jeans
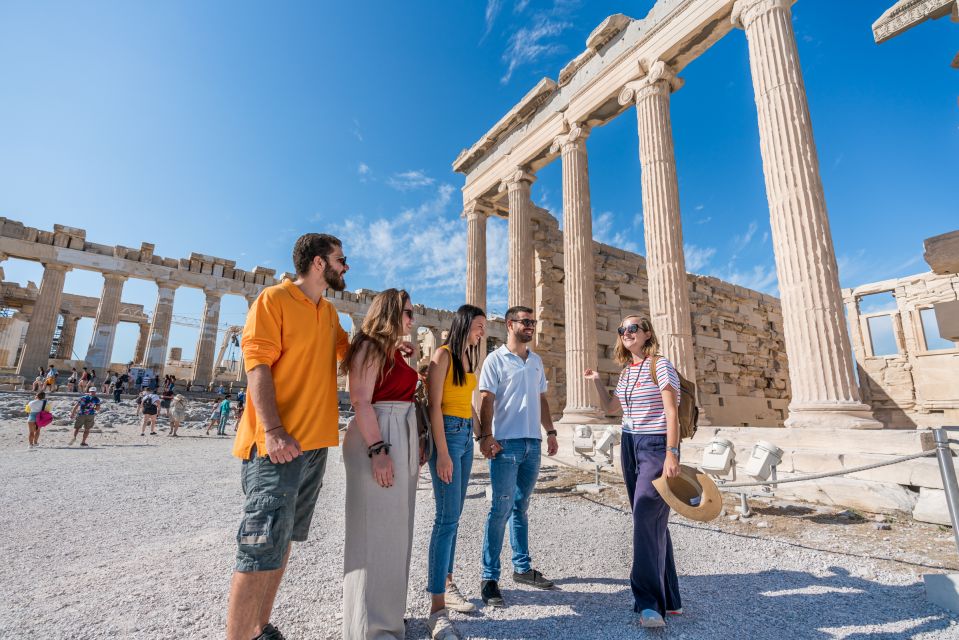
[
  {"x": 512, "y": 476},
  {"x": 449, "y": 500}
]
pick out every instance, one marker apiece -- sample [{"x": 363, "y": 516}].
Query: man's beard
[
  {"x": 522, "y": 337},
  {"x": 334, "y": 280}
]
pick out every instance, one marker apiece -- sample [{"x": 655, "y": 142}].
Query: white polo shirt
[{"x": 517, "y": 385}]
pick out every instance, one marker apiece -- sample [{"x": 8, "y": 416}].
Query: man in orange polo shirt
[{"x": 291, "y": 343}]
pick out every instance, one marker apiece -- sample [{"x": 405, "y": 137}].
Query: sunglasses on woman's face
[
  {"x": 408, "y": 313},
  {"x": 630, "y": 328}
]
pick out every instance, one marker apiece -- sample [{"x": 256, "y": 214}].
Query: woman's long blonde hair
[
  {"x": 623, "y": 355},
  {"x": 382, "y": 329}
]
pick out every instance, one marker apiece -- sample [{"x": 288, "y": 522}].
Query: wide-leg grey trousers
[{"x": 379, "y": 527}]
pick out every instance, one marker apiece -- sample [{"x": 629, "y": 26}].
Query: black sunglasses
[
  {"x": 630, "y": 328},
  {"x": 526, "y": 322},
  {"x": 340, "y": 259},
  {"x": 408, "y": 313}
]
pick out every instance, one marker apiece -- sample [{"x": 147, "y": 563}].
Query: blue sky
[{"x": 231, "y": 128}]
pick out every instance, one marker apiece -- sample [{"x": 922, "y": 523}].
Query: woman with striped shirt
[{"x": 650, "y": 448}]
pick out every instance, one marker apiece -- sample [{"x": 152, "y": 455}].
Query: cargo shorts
[
  {"x": 280, "y": 499},
  {"x": 84, "y": 422}
]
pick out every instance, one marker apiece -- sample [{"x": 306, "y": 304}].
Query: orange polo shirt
[{"x": 300, "y": 342}]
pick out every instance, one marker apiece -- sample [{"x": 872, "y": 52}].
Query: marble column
[
  {"x": 43, "y": 322},
  {"x": 68, "y": 335},
  {"x": 3, "y": 258},
  {"x": 156, "y": 350},
  {"x": 824, "y": 389},
  {"x": 414, "y": 358},
  {"x": 241, "y": 374},
  {"x": 206, "y": 343},
  {"x": 142, "y": 341},
  {"x": 476, "y": 216},
  {"x": 665, "y": 263},
  {"x": 105, "y": 326},
  {"x": 520, "y": 285},
  {"x": 580, "y": 288}
]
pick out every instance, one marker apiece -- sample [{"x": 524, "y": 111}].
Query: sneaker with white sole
[
  {"x": 440, "y": 626},
  {"x": 651, "y": 619},
  {"x": 674, "y": 612},
  {"x": 456, "y": 601}
]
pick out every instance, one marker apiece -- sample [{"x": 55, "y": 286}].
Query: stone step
[{"x": 881, "y": 441}]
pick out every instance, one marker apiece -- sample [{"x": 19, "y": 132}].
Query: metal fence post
[{"x": 948, "y": 472}]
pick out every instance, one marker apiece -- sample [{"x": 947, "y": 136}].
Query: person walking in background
[
  {"x": 177, "y": 413},
  {"x": 648, "y": 394},
  {"x": 72, "y": 380},
  {"x": 38, "y": 412},
  {"x": 291, "y": 342},
  {"x": 381, "y": 454},
  {"x": 83, "y": 414},
  {"x": 240, "y": 405},
  {"x": 513, "y": 389},
  {"x": 224, "y": 415},
  {"x": 150, "y": 408},
  {"x": 452, "y": 376},
  {"x": 92, "y": 380},
  {"x": 119, "y": 387}
]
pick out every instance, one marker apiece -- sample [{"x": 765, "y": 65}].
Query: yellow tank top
[{"x": 458, "y": 401}]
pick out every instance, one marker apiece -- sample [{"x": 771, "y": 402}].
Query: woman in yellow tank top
[{"x": 450, "y": 382}]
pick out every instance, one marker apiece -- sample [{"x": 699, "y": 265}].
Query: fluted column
[
  {"x": 105, "y": 326},
  {"x": 824, "y": 390},
  {"x": 580, "y": 287},
  {"x": 68, "y": 335},
  {"x": 43, "y": 321},
  {"x": 476, "y": 216},
  {"x": 520, "y": 286},
  {"x": 156, "y": 350},
  {"x": 206, "y": 343},
  {"x": 241, "y": 374},
  {"x": 142, "y": 341},
  {"x": 665, "y": 263}
]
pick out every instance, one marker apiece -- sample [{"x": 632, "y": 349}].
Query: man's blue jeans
[
  {"x": 512, "y": 475},
  {"x": 449, "y": 501}
]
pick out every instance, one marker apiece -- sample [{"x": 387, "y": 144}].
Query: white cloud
[
  {"x": 697, "y": 257},
  {"x": 363, "y": 169},
  {"x": 699, "y": 207},
  {"x": 533, "y": 42},
  {"x": 606, "y": 230},
  {"x": 705, "y": 220},
  {"x": 492, "y": 10},
  {"x": 408, "y": 180},
  {"x": 356, "y": 130},
  {"x": 760, "y": 278}
]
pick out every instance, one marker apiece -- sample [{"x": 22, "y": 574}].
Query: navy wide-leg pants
[{"x": 653, "y": 577}]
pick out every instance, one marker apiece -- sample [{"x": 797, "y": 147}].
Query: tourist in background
[
  {"x": 513, "y": 409},
  {"x": 650, "y": 449},
  {"x": 150, "y": 408},
  {"x": 452, "y": 381},
  {"x": 40, "y": 404},
  {"x": 224, "y": 415},
  {"x": 177, "y": 414},
  {"x": 72, "y": 380},
  {"x": 83, "y": 414},
  {"x": 240, "y": 406},
  {"x": 381, "y": 454},
  {"x": 291, "y": 342}
]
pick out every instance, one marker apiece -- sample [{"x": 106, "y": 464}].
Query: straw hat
[{"x": 691, "y": 494}]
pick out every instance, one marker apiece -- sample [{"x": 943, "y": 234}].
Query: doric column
[
  {"x": 579, "y": 289},
  {"x": 67, "y": 336},
  {"x": 520, "y": 286},
  {"x": 824, "y": 390},
  {"x": 206, "y": 343},
  {"x": 105, "y": 326},
  {"x": 665, "y": 264},
  {"x": 414, "y": 357},
  {"x": 241, "y": 374},
  {"x": 142, "y": 341},
  {"x": 156, "y": 350},
  {"x": 476, "y": 215},
  {"x": 43, "y": 322},
  {"x": 3, "y": 258}
]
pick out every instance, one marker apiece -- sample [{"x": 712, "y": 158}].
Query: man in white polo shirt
[{"x": 513, "y": 387}]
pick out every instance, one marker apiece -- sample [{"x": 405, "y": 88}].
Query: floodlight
[
  {"x": 583, "y": 441},
  {"x": 719, "y": 457},
  {"x": 765, "y": 457},
  {"x": 609, "y": 439}
]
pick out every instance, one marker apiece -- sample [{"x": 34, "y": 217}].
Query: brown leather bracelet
[{"x": 279, "y": 426}]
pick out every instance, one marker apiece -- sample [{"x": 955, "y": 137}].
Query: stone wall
[
  {"x": 740, "y": 353},
  {"x": 917, "y": 386}
]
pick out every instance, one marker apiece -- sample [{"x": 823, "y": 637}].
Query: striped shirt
[{"x": 641, "y": 399}]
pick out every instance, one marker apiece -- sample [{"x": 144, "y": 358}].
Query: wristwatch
[
  {"x": 551, "y": 432},
  {"x": 673, "y": 450}
]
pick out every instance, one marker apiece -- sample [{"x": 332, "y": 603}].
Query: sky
[{"x": 230, "y": 128}]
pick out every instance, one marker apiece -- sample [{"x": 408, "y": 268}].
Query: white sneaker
[
  {"x": 651, "y": 619},
  {"x": 456, "y": 601},
  {"x": 441, "y": 628}
]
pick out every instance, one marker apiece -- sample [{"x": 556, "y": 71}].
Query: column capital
[
  {"x": 746, "y": 11},
  {"x": 213, "y": 294},
  {"x": 659, "y": 79},
  {"x": 116, "y": 277},
  {"x": 477, "y": 209},
  {"x": 56, "y": 266},
  {"x": 575, "y": 136},
  {"x": 515, "y": 179},
  {"x": 168, "y": 284}
]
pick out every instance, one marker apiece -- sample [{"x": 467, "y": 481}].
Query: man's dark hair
[
  {"x": 512, "y": 312},
  {"x": 309, "y": 246}
]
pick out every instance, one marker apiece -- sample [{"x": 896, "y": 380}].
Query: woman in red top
[{"x": 381, "y": 456}]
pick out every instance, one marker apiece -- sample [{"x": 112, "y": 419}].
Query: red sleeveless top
[{"x": 396, "y": 384}]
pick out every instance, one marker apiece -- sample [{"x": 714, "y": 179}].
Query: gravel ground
[{"x": 134, "y": 538}]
